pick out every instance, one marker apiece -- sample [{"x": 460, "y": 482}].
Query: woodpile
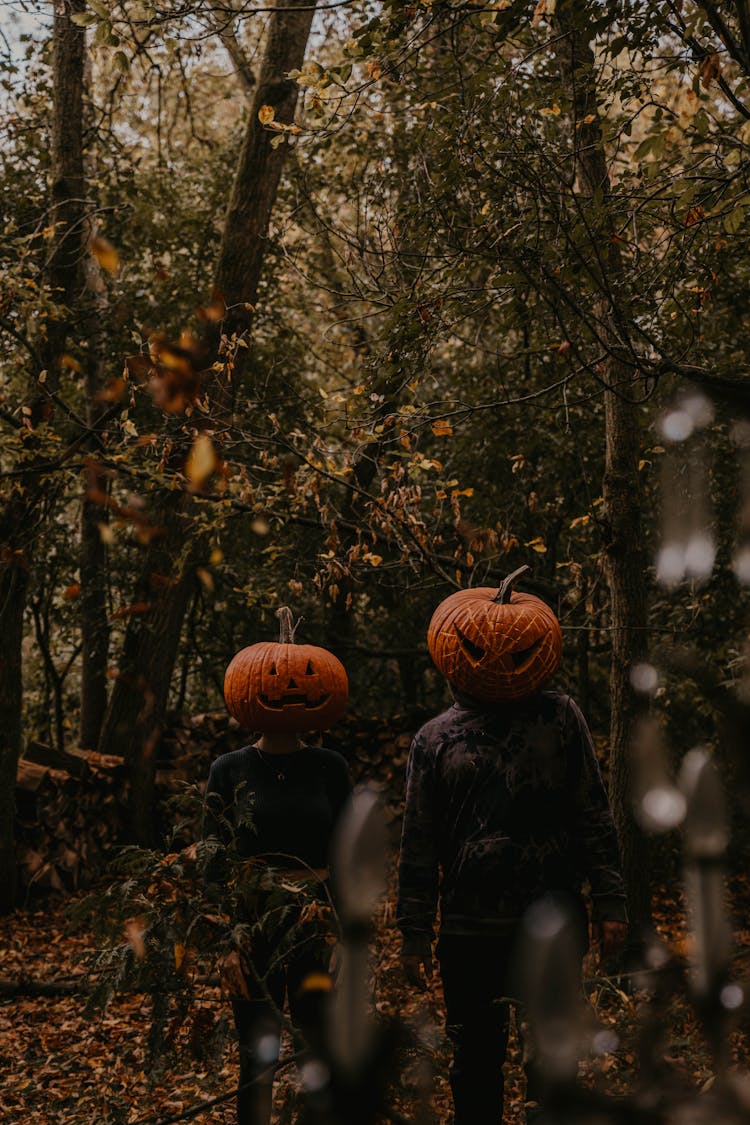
[
  {"x": 71, "y": 805},
  {"x": 70, "y": 812}
]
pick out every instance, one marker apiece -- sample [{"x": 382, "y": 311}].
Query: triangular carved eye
[
  {"x": 309, "y": 669},
  {"x": 272, "y": 670},
  {"x": 473, "y": 650},
  {"x": 525, "y": 654}
]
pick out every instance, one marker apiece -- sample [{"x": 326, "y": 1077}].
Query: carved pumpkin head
[
  {"x": 493, "y": 644},
  {"x": 285, "y": 686}
]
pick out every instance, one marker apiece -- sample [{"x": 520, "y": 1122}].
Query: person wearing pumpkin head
[
  {"x": 505, "y": 806},
  {"x": 276, "y": 803}
]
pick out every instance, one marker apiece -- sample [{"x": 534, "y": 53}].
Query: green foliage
[
  {"x": 419, "y": 404},
  {"x": 166, "y": 921}
]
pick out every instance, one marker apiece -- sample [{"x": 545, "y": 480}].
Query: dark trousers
[
  {"x": 258, "y": 1021},
  {"x": 478, "y": 983}
]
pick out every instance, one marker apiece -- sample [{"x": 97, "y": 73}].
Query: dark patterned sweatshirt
[
  {"x": 504, "y": 804},
  {"x": 283, "y": 807}
]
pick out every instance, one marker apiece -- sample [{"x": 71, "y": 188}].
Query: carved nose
[{"x": 292, "y": 683}]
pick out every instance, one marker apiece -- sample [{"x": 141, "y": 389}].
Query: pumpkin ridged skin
[
  {"x": 495, "y": 651},
  {"x": 264, "y": 700}
]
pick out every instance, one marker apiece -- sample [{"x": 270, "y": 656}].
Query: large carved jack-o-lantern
[
  {"x": 285, "y": 686},
  {"x": 495, "y": 644}
]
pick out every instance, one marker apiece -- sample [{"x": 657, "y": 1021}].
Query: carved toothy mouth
[
  {"x": 474, "y": 652},
  {"x": 524, "y": 655},
  {"x": 292, "y": 699}
]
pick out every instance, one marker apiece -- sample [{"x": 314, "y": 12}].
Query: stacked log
[{"x": 69, "y": 816}]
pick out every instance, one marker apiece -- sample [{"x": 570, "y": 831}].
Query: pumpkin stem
[
  {"x": 503, "y": 593},
  {"x": 287, "y": 627}
]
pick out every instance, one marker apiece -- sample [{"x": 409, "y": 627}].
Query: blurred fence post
[
  {"x": 706, "y": 842},
  {"x": 347, "y": 1084}
]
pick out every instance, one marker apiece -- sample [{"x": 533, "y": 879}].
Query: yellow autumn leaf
[
  {"x": 580, "y": 521},
  {"x": 550, "y": 111},
  {"x": 537, "y": 545},
  {"x": 374, "y": 560},
  {"x": 206, "y": 578},
  {"x": 442, "y": 429},
  {"x": 202, "y": 460},
  {"x": 266, "y": 114},
  {"x": 317, "y": 982},
  {"x": 179, "y": 955},
  {"x": 105, "y": 254}
]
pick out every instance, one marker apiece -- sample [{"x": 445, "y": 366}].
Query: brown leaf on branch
[
  {"x": 709, "y": 70},
  {"x": 137, "y": 609},
  {"x": 135, "y": 929},
  {"x": 173, "y": 373},
  {"x": 202, "y": 461},
  {"x": 105, "y": 254}
]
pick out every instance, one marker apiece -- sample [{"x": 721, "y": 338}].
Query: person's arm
[
  {"x": 233, "y": 970},
  {"x": 596, "y": 838},
  {"x": 216, "y": 824},
  {"x": 418, "y": 875}
]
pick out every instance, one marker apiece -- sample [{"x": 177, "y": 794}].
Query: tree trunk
[
  {"x": 135, "y": 716},
  {"x": 64, "y": 266},
  {"x": 243, "y": 244},
  {"x": 93, "y": 558},
  {"x": 93, "y": 611},
  {"x": 13, "y": 585},
  {"x": 623, "y": 553},
  {"x": 137, "y": 707},
  {"x": 20, "y": 511}
]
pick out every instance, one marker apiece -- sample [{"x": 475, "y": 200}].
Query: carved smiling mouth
[
  {"x": 292, "y": 699},
  {"x": 524, "y": 655}
]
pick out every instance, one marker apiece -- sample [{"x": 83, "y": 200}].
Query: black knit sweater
[
  {"x": 282, "y": 807},
  {"x": 504, "y": 804}
]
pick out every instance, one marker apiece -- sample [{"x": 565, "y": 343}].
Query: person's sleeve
[
  {"x": 418, "y": 876},
  {"x": 215, "y": 804},
  {"x": 215, "y": 823},
  {"x": 593, "y": 824}
]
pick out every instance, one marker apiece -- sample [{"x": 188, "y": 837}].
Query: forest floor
[
  {"x": 64, "y": 1061},
  {"x": 64, "y": 1066}
]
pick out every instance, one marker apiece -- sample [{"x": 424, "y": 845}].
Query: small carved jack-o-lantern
[
  {"x": 285, "y": 686},
  {"x": 493, "y": 644}
]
